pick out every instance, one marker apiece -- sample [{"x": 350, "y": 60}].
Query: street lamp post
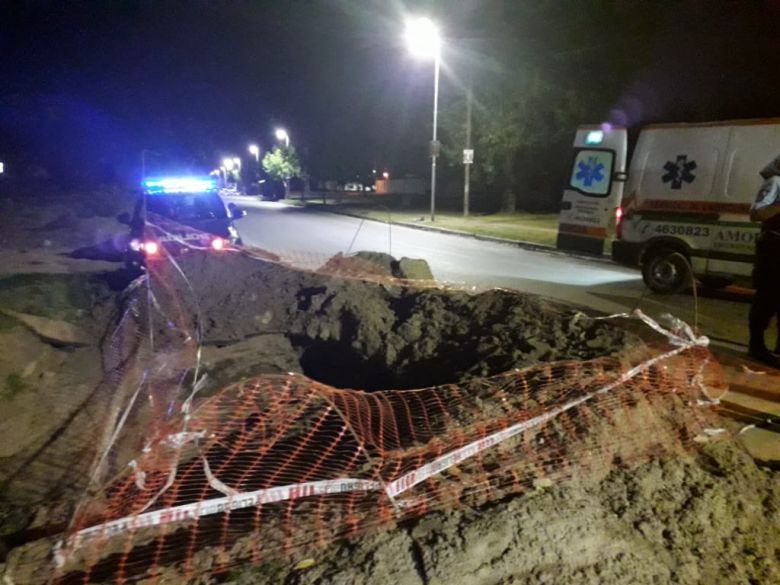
[
  {"x": 254, "y": 150},
  {"x": 423, "y": 40}
]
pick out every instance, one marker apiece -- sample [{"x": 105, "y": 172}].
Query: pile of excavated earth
[{"x": 712, "y": 516}]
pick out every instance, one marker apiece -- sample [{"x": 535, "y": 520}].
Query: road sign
[
  {"x": 468, "y": 156},
  {"x": 435, "y": 147}
]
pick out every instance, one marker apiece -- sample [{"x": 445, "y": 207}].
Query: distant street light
[
  {"x": 385, "y": 175},
  {"x": 423, "y": 41},
  {"x": 228, "y": 163},
  {"x": 254, "y": 150},
  {"x": 281, "y": 134}
]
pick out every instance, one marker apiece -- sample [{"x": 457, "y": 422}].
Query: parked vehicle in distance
[
  {"x": 266, "y": 189},
  {"x": 682, "y": 212},
  {"x": 353, "y": 187},
  {"x": 176, "y": 214}
]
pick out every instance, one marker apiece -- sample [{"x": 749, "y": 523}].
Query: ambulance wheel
[{"x": 666, "y": 271}]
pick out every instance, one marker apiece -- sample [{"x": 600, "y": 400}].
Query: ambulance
[{"x": 681, "y": 212}]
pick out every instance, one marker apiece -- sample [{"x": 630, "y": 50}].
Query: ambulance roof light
[{"x": 594, "y": 137}]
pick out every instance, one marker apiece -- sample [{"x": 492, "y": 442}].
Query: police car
[{"x": 174, "y": 215}]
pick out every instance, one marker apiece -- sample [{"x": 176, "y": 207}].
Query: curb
[{"x": 516, "y": 243}]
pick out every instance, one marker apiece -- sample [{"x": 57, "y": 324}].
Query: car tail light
[
  {"x": 151, "y": 248},
  {"x": 619, "y": 222},
  {"x": 217, "y": 243}
]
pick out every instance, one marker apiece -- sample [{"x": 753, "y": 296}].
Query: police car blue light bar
[{"x": 180, "y": 184}]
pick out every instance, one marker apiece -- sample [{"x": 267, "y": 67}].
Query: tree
[
  {"x": 282, "y": 164},
  {"x": 544, "y": 69}
]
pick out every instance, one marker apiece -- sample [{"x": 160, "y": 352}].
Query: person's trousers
[{"x": 766, "y": 280}]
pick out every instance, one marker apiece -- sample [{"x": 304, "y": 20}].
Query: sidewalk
[
  {"x": 753, "y": 399},
  {"x": 535, "y": 231}
]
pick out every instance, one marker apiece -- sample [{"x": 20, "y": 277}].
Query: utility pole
[
  {"x": 468, "y": 153},
  {"x": 434, "y": 142}
]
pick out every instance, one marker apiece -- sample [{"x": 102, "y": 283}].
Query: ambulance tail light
[
  {"x": 217, "y": 243},
  {"x": 619, "y": 222}
]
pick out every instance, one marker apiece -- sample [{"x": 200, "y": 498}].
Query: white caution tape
[
  {"x": 196, "y": 510},
  {"x": 409, "y": 480}
]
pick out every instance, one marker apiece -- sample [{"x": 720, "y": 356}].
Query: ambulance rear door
[
  {"x": 594, "y": 189},
  {"x": 752, "y": 144}
]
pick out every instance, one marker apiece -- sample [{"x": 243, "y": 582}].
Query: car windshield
[{"x": 183, "y": 206}]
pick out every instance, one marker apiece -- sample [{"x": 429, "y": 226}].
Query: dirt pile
[
  {"x": 63, "y": 224},
  {"x": 713, "y": 518},
  {"x": 255, "y": 317},
  {"x": 687, "y": 519},
  {"x": 377, "y": 334}
]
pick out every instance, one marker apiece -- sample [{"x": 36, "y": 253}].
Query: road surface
[{"x": 308, "y": 238}]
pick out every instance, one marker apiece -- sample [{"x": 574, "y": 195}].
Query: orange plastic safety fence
[
  {"x": 279, "y": 464},
  {"x": 282, "y": 463}
]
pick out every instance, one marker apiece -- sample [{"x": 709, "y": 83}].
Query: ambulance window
[{"x": 591, "y": 172}]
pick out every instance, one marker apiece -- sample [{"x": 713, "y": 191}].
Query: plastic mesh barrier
[{"x": 279, "y": 464}]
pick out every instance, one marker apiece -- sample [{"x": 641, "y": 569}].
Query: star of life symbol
[
  {"x": 679, "y": 171},
  {"x": 590, "y": 172}
]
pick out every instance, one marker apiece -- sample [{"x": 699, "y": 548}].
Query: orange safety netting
[
  {"x": 283, "y": 463},
  {"x": 279, "y": 464}
]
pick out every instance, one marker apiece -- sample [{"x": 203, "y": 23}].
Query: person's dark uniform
[{"x": 766, "y": 270}]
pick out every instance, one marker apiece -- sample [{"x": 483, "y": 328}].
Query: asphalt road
[{"x": 307, "y": 238}]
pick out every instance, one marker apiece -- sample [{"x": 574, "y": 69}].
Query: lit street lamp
[
  {"x": 423, "y": 41},
  {"x": 281, "y": 134},
  {"x": 254, "y": 150}
]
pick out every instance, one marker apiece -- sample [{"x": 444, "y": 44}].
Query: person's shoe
[{"x": 763, "y": 355}]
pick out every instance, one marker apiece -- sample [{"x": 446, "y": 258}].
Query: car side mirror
[
  {"x": 124, "y": 218},
  {"x": 235, "y": 211}
]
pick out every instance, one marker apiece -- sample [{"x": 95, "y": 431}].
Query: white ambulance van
[
  {"x": 594, "y": 190},
  {"x": 685, "y": 205}
]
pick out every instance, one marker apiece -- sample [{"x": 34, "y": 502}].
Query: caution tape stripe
[{"x": 196, "y": 510}]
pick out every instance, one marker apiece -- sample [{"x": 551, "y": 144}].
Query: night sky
[{"x": 85, "y": 86}]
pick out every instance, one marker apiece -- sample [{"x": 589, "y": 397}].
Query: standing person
[{"x": 766, "y": 270}]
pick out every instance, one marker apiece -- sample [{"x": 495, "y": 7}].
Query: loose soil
[
  {"x": 379, "y": 334},
  {"x": 711, "y": 517}
]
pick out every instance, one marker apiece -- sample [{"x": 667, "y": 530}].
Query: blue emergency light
[{"x": 179, "y": 185}]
